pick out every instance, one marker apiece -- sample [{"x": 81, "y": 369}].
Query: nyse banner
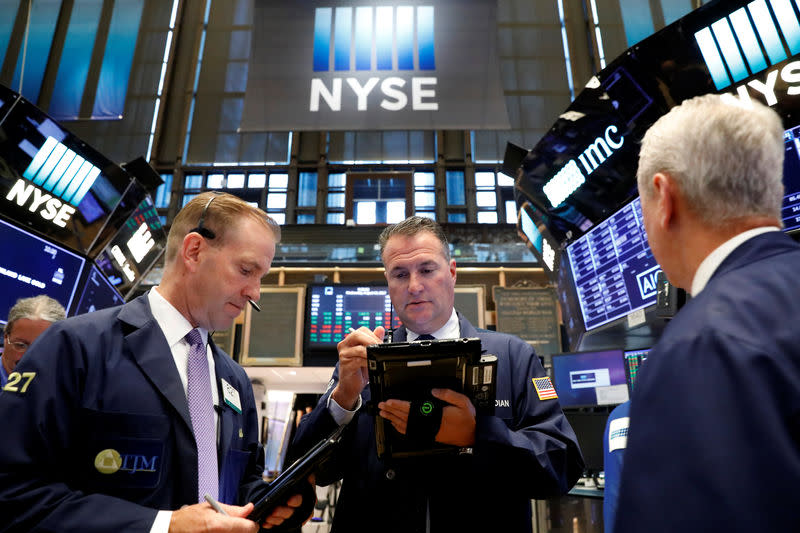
[{"x": 337, "y": 65}]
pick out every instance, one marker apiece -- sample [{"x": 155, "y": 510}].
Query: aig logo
[
  {"x": 748, "y": 40},
  {"x": 377, "y": 39},
  {"x": 647, "y": 282}
]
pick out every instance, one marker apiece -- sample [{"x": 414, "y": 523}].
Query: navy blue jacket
[
  {"x": 107, "y": 381},
  {"x": 527, "y": 450},
  {"x": 715, "y": 416}
]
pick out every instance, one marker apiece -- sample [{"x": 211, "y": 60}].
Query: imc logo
[
  {"x": 648, "y": 282},
  {"x": 62, "y": 173},
  {"x": 375, "y": 39},
  {"x": 570, "y": 177},
  {"x": 748, "y": 40}
]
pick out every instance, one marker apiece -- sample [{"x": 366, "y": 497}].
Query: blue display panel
[
  {"x": 134, "y": 249},
  {"x": 791, "y": 180},
  {"x": 98, "y": 293},
  {"x": 586, "y": 379},
  {"x": 613, "y": 269},
  {"x": 53, "y": 182},
  {"x": 31, "y": 266},
  {"x": 333, "y": 309}
]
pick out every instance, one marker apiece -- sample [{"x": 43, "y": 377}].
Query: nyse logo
[
  {"x": 66, "y": 176},
  {"x": 760, "y": 21},
  {"x": 647, "y": 282},
  {"x": 376, "y": 39}
]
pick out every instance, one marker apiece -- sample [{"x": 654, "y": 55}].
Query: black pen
[
  {"x": 215, "y": 504},
  {"x": 255, "y": 305}
]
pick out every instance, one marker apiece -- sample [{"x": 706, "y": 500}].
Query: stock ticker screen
[
  {"x": 31, "y": 266},
  {"x": 98, "y": 293},
  {"x": 334, "y": 309},
  {"x": 791, "y": 180},
  {"x": 613, "y": 269}
]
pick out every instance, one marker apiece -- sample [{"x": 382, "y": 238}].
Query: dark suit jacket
[
  {"x": 714, "y": 442},
  {"x": 100, "y": 438},
  {"x": 527, "y": 450}
]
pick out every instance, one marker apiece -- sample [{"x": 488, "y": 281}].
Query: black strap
[{"x": 424, "y": 420}]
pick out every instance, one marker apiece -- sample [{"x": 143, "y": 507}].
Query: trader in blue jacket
[
  {"x": 526, "y": 450},
  {"x": 715, "y": 416},
  {"x": 101, "y": 432}
]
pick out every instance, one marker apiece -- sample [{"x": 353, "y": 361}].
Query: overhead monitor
[
  {"x": 97, "y": 293},
  {"x": 584, "y": 379},
  {"x": 332, "y": 309},
  {"x": 134, "y": 249},
  {"x": 613, "y": 269},
  {"x": 791, "y": 180},
  {"x": 532, "y": 228},
  {"x": 53, "y": 182},
  {"x": 31, "y": 266},
  {"x": 633, "y": 360}
]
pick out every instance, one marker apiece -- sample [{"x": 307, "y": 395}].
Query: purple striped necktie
[{"x": 201, "y": 411}]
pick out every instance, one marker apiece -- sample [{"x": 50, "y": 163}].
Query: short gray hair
[
  {"x": 35, "y": 308},
  {"x": 412, "y": 226},
  {"x": 727, "y": 157}
]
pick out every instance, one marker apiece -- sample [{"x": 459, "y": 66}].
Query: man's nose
[{"x": 414, "y": 283}]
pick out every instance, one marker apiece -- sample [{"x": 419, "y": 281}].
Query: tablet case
[
  {"x": 287, "y": 484},
  {"x": 409, "y": 370}
]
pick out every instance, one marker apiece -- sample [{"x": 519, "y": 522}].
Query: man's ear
[
  {"x": 191, "y": 247},
  {"x": 665, "y": 190},
  {"x": 452, "y": 267}
]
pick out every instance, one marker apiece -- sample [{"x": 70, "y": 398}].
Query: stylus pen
[
  {"x": 255, "y": 305},
  {"x": 215, "y": 504}
]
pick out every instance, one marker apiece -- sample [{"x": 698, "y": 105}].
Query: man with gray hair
[
  {"x": 714, "y": 443},
  {"x": 26, "y": 320}
]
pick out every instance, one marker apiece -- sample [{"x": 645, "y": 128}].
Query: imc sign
[{"x": 374, "y": 67}]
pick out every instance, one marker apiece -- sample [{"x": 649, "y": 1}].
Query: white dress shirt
[
  {"x": 175, "y": 327},
  {"x": 712, "y": 261}
]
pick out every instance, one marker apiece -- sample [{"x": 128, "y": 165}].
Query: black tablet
[
  {"x": 287, "y": 484},
  {"x": 409, "y": 370}
]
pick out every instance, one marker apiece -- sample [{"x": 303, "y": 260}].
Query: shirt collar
[
  {"x": 450, "y": 330},
  {"x": 170, "y": 320},
  {"x": 715, "y": 258}
]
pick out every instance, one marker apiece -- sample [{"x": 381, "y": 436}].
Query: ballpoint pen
[{"x": 215, "y": 504}]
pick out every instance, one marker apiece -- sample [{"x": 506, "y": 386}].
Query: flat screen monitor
[
  {"x": 584, "y": 379},
  {"x": 134, "y": 249},
  {"x": 590, "y": 429},
  {"x": 54, "y": 183},
  {"x": 537, "y": 237},
  {"x": 31, "y": 266},
  {"x": 612, "y": 267},
  {"x": 332, "y": 309},
  {"x": 633, "y": 360},
  {"x": 791, "y": 180},
  {"x": 97, "y": 293}
]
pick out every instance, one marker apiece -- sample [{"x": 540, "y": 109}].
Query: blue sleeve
[
  {"x": 41, "y": 444},
  {"x": 612, "y": 467},
  {"x": 536, "y": 449}
]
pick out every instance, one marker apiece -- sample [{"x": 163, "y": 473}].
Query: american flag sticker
[{"x": 544, "y": 388}]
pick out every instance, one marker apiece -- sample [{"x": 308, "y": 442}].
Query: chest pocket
[{"x": 122, "y": 452}]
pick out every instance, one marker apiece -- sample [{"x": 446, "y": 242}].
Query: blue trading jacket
[{"x": 526, "y": 450}]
